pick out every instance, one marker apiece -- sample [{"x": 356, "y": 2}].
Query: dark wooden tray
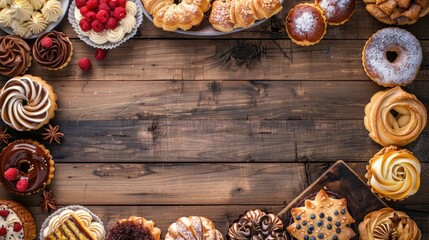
[{"x": 340, "y": 181}]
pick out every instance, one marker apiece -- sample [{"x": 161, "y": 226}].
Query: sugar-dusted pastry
[
  {"x": 27, "y": 167},
  {"x": 394, "y": 174},
  {"x": 134, "y": 228},
  {"x": 387, "y": 223},
  {"x": 394, "y": 117},
  {"x": 404, "y": 65},
  {"x": 193, "y": 227},
  {"x": 337, "y": 12},
  {"x": 27, "y": 102},
  {"x": 322, "y": 218},
  {"x": 257, "y": 224},
  {"x": 15, "y": 58},
  {"x": 16, "y": 222},
  {"x": 53, "y": 50},
  {"x": 397, "y": 12}
]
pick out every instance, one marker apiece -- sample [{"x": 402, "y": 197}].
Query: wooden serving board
[{"x": 340, "y": 180}]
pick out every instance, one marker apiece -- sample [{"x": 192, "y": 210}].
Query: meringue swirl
[
  {"x": 58, "y": 55},
  {"x": 394, "y": 174},
  {"x": 394, "y": 117},
  {"x": 52, "y": 10},
  {"x": 387, "y": 223},
  {"x": 14, "y": 56}
]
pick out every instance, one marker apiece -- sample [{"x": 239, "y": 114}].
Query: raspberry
[
  {"x": 80, "y": 3},
  {"x": 46, "y": 42},
  {"x": 3, "y": 231},
  {"x": 112, "y": 23},
  {"x": 105, "y": 7},
  {"x": 84, "y": 25},
  {"x": 122, "y": 3},
  {"x": 22, "y": 185},
  {"x": 85, "y": 64},
  {"x": 100, "y": 54},
  {"x": 113, "y": 4},
  {"x": 84, "y": 10},
  {"x": 119, "y": 13},
  {"x": 4, "y": 213},
  {"x": 103, "y": 1},
  {"x": 102, "y": 16},
  {"x": 17, "y": 227},
  {"x": 92, "y": 4},
  {"x": 90, "y": 16},
  {"x": 11, "y": 174},
  {"x": 97, "y": 26}
]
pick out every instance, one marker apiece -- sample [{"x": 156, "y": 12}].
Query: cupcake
[
  {"x": 387, "y": 223},
  {"x": 21, "y": 108},
  {"x": 325, "y": 217},
  {"x": 337, "y": 12},
  {"x": 257, "y": 224},
  {"x": 27, "y": 167},
  {"x": 134, "y": 228},
  {"x": 16, "y": 222},
  {"x": 72, "y": 221},
  {"x": 15, "y": 58},
  {"x": 53, "y": 50},
  {"x": 193, "y": 227}
]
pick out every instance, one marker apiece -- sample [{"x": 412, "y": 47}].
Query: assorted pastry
[
  {"x": 193, "y": 227},
  {"x": 397, "y": 12},
  {"x": 16, "y": 222},
  {"x": 53, "y": 50},
  {"x": 29, "y": 17},
  {"x": 15, "y": 58},
  {"x": 134, "y": 228}
]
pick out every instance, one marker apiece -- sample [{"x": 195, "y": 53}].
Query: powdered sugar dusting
[{"x": 305, "y": 23}]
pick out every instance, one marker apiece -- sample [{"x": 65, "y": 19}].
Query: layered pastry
[
  {"x": 257, "y": 224},
  {"x": 337, "y": 12},
  {"x": 387, "y": 223},
  {"x": 16, "y": 222},
  {"x": 27, "y": 167},
  {"x": 73, "y": 222},
  {"x": 394, "y": 174},
  {"x": 29, "y": 17},
  {"x": 392, "y": 57},
  {"x": 193, "y": 227},
  {"x": 27, "y": 103},
  {"x": 15, "y": 58},
  {"x": 134, "y": 228},
  {"x": 53, "y": 50},
  {"x": 322, "y": 218},
  {"x": 394, "y": 117},
  {"x": 398, "y": 12},
  {"x": 306, "y": 24}
]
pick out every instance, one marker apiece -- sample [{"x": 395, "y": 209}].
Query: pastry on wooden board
[
  {"x": 134, "y": 228},
  {"x": 193, "y": 227},
  {"x": 16, "y": 222}
]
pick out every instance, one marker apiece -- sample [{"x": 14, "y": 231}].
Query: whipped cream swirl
[{"x": 9, "y": 221}]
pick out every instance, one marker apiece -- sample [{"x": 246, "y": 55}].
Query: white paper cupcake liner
[
  {"x": 107, "y": 45},
  {"x": 58, "y": 212}
]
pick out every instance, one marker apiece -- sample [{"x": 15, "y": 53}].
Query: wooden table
[{"x": 169, "y": 125}]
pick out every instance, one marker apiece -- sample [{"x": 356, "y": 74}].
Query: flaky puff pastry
[
  {"x": 387, "y": 223},
  {"x": 193, "y": 227},
  {"x": 394, "y": 117},
  {"x": 394, "y": 174}
]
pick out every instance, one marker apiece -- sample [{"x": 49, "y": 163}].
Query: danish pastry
[{"x": 193, "y": 227}]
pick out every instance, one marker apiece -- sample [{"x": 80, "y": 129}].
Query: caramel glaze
[
  {"x": 317, "y": 31},
  {"x": 32, "y": 161}
]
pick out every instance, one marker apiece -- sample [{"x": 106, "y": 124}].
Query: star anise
[
  {"x": 48, "y": 201},
  {"x": 53, "y": 133},
  {"x": 4, "y": 136}
]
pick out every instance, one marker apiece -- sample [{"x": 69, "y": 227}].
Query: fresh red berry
[
  {"x": 97, "y": 26},
  {"x": 100, "y": 54},
  {"x": 122, "y": 3},
  {"x": 3, "y": 231},
  {"x": 84, "y": 25},
  {"x": 85, "y": 64},
  {"x": 113, "y": 4},
  {"x": 103, "y": 1},
  {"x": 102, "y": 16},
  {"x": 105, "y": 7},
  {"x": 11, "y": 173},
  {"x": 22, "y": 185},
  {"x": 119, "y": 13},
  {"x": 46, "y": 42},
  {"x": 92, "y": 4},
  {"x": 90, "y": 16},
  {"x": 84, "y": 10},
  {"x": 4, "y": 213},
  {"x": 112, "y": 23},
  {"x": 17, "y": 227},
  {"x": 80, "y": 3}
]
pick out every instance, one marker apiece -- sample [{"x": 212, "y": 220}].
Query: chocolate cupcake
[
  {"x": 26, "y": 166},
  {"x": 134, "y": 228},
  {"x": 53, "y": 50},
  {"x": 15, "y": 58}
]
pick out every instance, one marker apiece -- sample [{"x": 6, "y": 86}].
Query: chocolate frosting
[
  {"x": 14, "y": 56},
  {"x": 32, "y": 161},
  {"x": 55, "y": 56}
]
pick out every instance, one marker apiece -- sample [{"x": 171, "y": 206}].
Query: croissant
[{"x": 193, "y": 227}]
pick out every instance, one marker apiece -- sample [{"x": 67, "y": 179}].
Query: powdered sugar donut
[
  {"x": 392, "y": 57},
  {"x": 337, "y": 12}
]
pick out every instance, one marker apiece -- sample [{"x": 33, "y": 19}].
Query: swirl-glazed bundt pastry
[
  {"x": 56, "y": 56},
  {"x": 15, "y": 56},
  {"x": 387, "y": 223},
  {"x": 193, "y": 227},
  {"x": 134, "y": 228},
  {"x": 257, "y": 224},
  {"x": 27, "y": 103},
  {"x": 394, "y": 117},
  {"x": 393, "y": 174},
  {"x": 16, "y": 221},
  {"x": 27, "y": 167}
]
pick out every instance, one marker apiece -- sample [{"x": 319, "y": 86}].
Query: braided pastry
[
  {"x": 394, "y": 117},
  {"x": 398, "y": 12},
  {"x": 193, "y": 227}
]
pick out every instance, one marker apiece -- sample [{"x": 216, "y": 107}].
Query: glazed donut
[
  {"x": 400, "y": 71},
  {"x": 394, "y": 117},
  {"x": 337, "y": 12}
]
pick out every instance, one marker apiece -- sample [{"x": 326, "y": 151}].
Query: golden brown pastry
[
  {"x": 387, "y": 223},
  {"x": 337, "y": 12},
  {"x": 322, "y": 218},
  {"x": 193, "y": 227},
  {"x": 394, "y": 174},
  {"x": 394, "y": 117},
  {"x": 398, "y": 12},
  {"x": 16, "y": 222},
  {"x": 134, "y": 228}
]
